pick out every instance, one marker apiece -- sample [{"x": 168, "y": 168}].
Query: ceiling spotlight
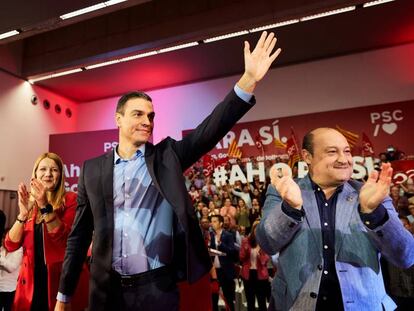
[
  {"x": 83, "y": 11},
  {"x": 110, "y": 62},
  {"x": 112, "y": 2},
  {"x": 46, "y": 104},
  {"x": 327, "y": 13},
  {"x": 275, "y": 25},
  {"x": 9, "y": 34},
  {"x": 372, "y": 3},
  {"x": 223, "y": 37},
  {"x": 178, "y": 47},
  {"x": 33, "y": 99},
  {"x": 142, "y": 55},
  {"x": 68, "y": 112},
  {"x": 58, "y": 109},
  {"x": 91, "y": 8},
  {"x": 54, "y": 75}
]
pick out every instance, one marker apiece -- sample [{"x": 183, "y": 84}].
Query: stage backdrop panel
[
  {"x": 75, "y": 148},
  {"x": 384, "y": 125}
]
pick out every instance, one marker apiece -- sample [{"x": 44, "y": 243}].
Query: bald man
[{"x": 330, "y": 232}]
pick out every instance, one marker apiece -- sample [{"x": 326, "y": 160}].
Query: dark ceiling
[{"x": 137, "y": 26}]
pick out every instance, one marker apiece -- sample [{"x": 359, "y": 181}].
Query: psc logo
[{"x": 386, "y": 121}]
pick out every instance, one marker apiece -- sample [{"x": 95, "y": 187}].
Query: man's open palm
[{"x": 375, "y": 189}]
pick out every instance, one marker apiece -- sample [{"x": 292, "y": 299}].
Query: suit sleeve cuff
[
  {"x": 242, "y": 94},
  {"x": 376, "y": 218},
  {"x": 63, "y": 298},
  {"x": 294, "y": 213}
]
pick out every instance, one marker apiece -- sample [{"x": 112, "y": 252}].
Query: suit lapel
[
  {"x": 345, "y": 207},
  {"x": 108, "y": 186}
]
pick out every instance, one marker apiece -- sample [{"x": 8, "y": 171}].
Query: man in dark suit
[
  {"x": 223, "y": 241},
  {"x": 134, "y": 203}
]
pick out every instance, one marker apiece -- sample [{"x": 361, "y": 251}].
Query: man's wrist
[
  {"x": 245, "y": 96},
  {"x": 247, "y": 83},
  {"x": 375, "y": 218},
  {"x": 63, "y": 298},
  {"x": 296, "y": 214},
  {"x": 365, "y": 210}
]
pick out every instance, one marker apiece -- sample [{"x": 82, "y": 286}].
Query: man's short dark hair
[
  {"x": 307, "y": 143},
  {"x": 219, "y": 217},
  {"x": 130, "y": 95}
]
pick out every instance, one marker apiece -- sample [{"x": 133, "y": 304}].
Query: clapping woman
[{"x": 46, "y": 214}]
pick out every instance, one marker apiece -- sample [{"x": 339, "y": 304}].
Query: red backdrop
[{"x": 387, "y": 124}]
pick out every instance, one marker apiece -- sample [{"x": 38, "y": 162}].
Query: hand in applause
[
  {"x": 375, "y": 189},
  {"x": 288, "y": 189},
  {"x": 38, "y": 190},
  {"x": 23, "y": 200}
]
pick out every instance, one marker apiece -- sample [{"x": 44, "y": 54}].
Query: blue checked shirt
[{"x": 143, "y": 218}]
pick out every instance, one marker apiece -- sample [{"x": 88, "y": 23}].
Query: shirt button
[
  {"x": 125, "y": 255},
  {"x": 126, "y": 214},
  {"x": 125, "y": 234},
  {"x": 319, "y": 267},
  {"x": 126, "y": 195},
  {"x": 325, "y": 224},
  {"x": 325, "y": 246},
  {"x": 326, "y": 204},
  {"x": 325, "y": 272},
  {"x": 313, "y": 295},
  {"x": 324, "y": 298},
  {"x": 319, "y": 189}
]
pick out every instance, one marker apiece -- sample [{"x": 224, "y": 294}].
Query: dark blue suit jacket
[{"x": 226, "y": 246}]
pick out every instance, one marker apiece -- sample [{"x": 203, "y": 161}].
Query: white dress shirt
[{"x": 9, "y": 269}]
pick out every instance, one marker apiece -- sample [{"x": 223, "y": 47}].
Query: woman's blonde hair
[{"x": 56, "y": 197}]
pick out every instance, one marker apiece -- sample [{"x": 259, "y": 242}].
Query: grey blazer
[{"x": 357, "y": 251}]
